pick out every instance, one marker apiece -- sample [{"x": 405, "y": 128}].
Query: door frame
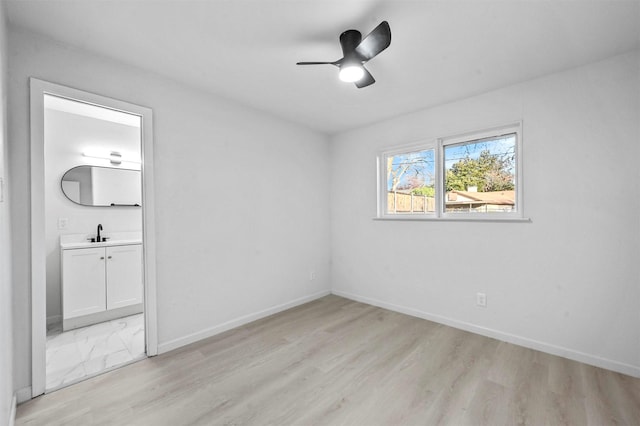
[{"x": 38, "y": 88}]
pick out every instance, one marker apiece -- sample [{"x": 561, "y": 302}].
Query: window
[
  {"x": 476, "y": 175},
  {"x": 410, "y": 179}
]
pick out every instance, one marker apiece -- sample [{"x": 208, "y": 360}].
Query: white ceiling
[{"x": 246, "y": 50}]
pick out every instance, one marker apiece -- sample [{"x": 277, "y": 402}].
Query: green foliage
[
  {"x": 487, "y": 172},
  {"x": 428, "y": 191}
]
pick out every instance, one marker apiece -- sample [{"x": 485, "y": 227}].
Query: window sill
[{"x": 455, "y": 219}]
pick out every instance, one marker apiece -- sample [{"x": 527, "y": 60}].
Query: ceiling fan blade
[
  {"x": 375, "y": 42},
  {"x": 316, "y": 63},
  {"x": 366, "y": 80}
]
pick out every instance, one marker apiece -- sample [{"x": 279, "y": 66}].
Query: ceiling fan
[{"x": 357, "y": 51}]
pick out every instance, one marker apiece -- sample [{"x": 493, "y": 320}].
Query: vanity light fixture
[{"x": 114, "y": 157}]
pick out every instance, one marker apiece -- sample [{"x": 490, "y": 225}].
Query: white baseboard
[
  {"x": 53, "y": 319},
  {"x": 594, "y": 360},
  {"x": 221, "y": 328},
  {"x": 12, "y": 412},
  {"x": 98, "y": 317},
  {"x": 23, "y": 394}
]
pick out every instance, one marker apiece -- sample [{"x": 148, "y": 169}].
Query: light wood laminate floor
[{"x": 334, "y": 361}]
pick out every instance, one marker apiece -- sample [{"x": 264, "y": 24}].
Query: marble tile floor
[{"x": 77, "y": 354}]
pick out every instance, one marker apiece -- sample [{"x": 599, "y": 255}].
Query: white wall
[
  {"x": 241, "y": 197},
  {"x": 568, "y": 282},
  {"x": 6, "y": 320},
  {"x": 67, "y": 136}
]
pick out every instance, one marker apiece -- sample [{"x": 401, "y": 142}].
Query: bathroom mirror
[{"x": 102, "y": 186}]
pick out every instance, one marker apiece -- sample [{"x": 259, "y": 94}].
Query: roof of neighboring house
[{"x": 492, "y": 197}]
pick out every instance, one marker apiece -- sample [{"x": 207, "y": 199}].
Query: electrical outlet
[
  {"x": 312, "y": 275},
  {"x": 63, "y": 222},
  {"x": 481, "y": 300}
]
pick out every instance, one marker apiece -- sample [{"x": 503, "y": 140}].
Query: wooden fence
[{"x": 399, "y": 202}]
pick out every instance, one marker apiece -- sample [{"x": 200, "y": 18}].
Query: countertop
[{"x": 108, "y": 243}]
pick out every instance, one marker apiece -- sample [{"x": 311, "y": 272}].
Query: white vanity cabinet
[
  {"x": 100, "y": 283},
  {"x": 83, "y": 281},
  {"x": 124, "y": 275}
]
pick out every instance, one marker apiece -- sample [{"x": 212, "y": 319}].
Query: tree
[
  {"x": 487, "y": 172},
  {"x": 428, "y": 191},
  {"x": 408, "y": 171}
]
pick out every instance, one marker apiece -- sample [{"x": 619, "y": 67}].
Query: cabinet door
[
  {"x": 124, "y": 276},
  {"x": 83, "y": 282}
]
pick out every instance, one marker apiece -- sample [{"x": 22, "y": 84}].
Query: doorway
[{"x": 92, "y": 239}]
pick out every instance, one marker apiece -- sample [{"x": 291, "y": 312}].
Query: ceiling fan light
[{"x": 351, "y": 73}]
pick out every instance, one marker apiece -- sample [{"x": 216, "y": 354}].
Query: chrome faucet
[{"x": 98, "y": 238}]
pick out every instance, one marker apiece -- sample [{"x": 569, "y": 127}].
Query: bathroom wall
[
  {"x": 6, "y": 306},
  {"x": 242, "y": 197},
  {"x": 67, "y": 136},
  {"x": 567, "y": 281}
]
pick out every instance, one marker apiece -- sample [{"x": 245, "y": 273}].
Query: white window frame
[{"x": 438, "y": 145}]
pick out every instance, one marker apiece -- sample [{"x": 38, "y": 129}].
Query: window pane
[
  {"x": 411, "y": 182},
  {"x": 480, "y": 175}
]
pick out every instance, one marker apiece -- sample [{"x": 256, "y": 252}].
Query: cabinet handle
[
  {"x": 102, "y": 258},
  {"x": 108, "y": 257}
]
